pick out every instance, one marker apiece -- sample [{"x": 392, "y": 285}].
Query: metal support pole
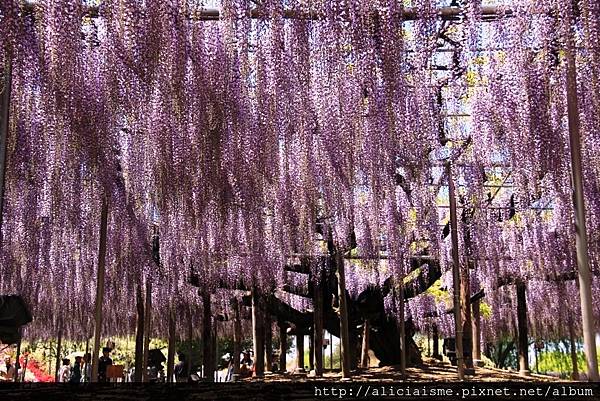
[
  {"x": 139, "y": 336},
  {"x": 318, "y": 326},
  {"x": 573, "y": 351},
  {"x": 436, "y": 342},
  {"x": 4, "y": 117},
  {"x": 344, "y": 335},
  {"x": 330, "y": 351},
  {"x": 17, "y": 359},
  {"x": 190, "y": 347},
  {"x": 428, "y": 342},
  {"x": 100, "y": 287},
  {"x": 311, "y": 352},
  {"x": 476, "y": 327},
  {"x": 207, "y": 340},
  {"x": 147, "y": 328},
  {"x": 581, "y": 241},
  {"x": 258, "y": 334},
  {"x": 58, "y": 359},
  {"x": 364, "y": 358},
  {"x": 171, "y": 348},
  {"x": 523, "y": 348},
  {"x": 215, "y": 352},
  {"x": 456, "y": 276},
  {"x": 402, "y": 328},
  {"x": 465, "y": 306},
  {"x": 237, "y": 338}
]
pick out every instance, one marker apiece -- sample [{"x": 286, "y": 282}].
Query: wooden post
[
  {"x": 581, "y": 241},
  {"x": 343, "y": 311},
  {"x": 139, "y": 336},
  {"x": 402, "y": 328},
  {"x": 190, "y": 348},
  {"x": 311, "y": 352},
  {"x": 364, "y": 359},
  {"x": 476, "y": 332},
  {"x": 4, "y": 119},
  {"x": 258, "y": 334},
  {"x": 58, "y": 358},
  {"x": 318, "y": 326},
  {"x": 428, "y": 341},
  {"x": 147, "y": 327},
  {"x": 100, "y": 287},
  {"x": 282, "y": 347},
  {"x": 573, "y": 350},
  {"x": 465, "y": 311},
  {"x": 535, "y": 351},
  {"x": 171, "y": 349},
  {"x": 18, "y": 357},
  {"x": 215, "y": 351},
  {"x": 330, "y": 351},
  {"x": 299, "y": 351},
  {"x": 436, "y": 342},
  {"x": 207, "y": 340},
  {"x": 237, "y": 339},
  {"x": 268, "y": 343},
  {"x": 340, "y": 353},
  {"x": 458, "y": 327},
  {"x": 522, "y": 329}
]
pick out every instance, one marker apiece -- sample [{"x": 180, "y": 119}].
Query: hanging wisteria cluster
[{"x": 236, "y": 138}]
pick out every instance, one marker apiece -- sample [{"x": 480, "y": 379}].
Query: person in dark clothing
[
  {"x": 76, "y": 371},
  {"x": 246, "y": 365},
  {"x": 181, "y": 369},
  {"x": 103, "y": 364}
]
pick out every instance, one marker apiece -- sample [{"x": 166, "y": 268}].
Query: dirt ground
[
  {"x": 432, "y": 374},
  {"x": 432, "y": 370}
]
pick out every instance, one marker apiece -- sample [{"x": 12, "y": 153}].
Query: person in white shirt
[
  {"x": 86, "y": 371},
  {"x": 9, "y": 375},
  {"x": 64, "y": 374}
]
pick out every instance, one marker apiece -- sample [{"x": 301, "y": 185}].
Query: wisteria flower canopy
[{"x": 251, "y": 132}]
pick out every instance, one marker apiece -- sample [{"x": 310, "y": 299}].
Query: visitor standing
[
  {"x": 64, "y": 373},
  {"x": 9, "y": 374},
  {"x": 76, "y": 371},
  {"x": 86, "y": 371},
  {"x": 103, "y": 365},
  {"x": 181, "y": 369},
  {"x": 246, "y": 364}
]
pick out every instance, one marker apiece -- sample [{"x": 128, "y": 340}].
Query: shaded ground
[
  {"x": 431, "y": 376},
  {"x": 431, "y": 370}
]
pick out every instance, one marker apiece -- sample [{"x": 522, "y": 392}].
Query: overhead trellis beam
[{"x": 488, "y": 13}]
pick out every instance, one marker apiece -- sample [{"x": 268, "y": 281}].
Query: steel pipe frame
[{"x": 488, "y": 13}]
